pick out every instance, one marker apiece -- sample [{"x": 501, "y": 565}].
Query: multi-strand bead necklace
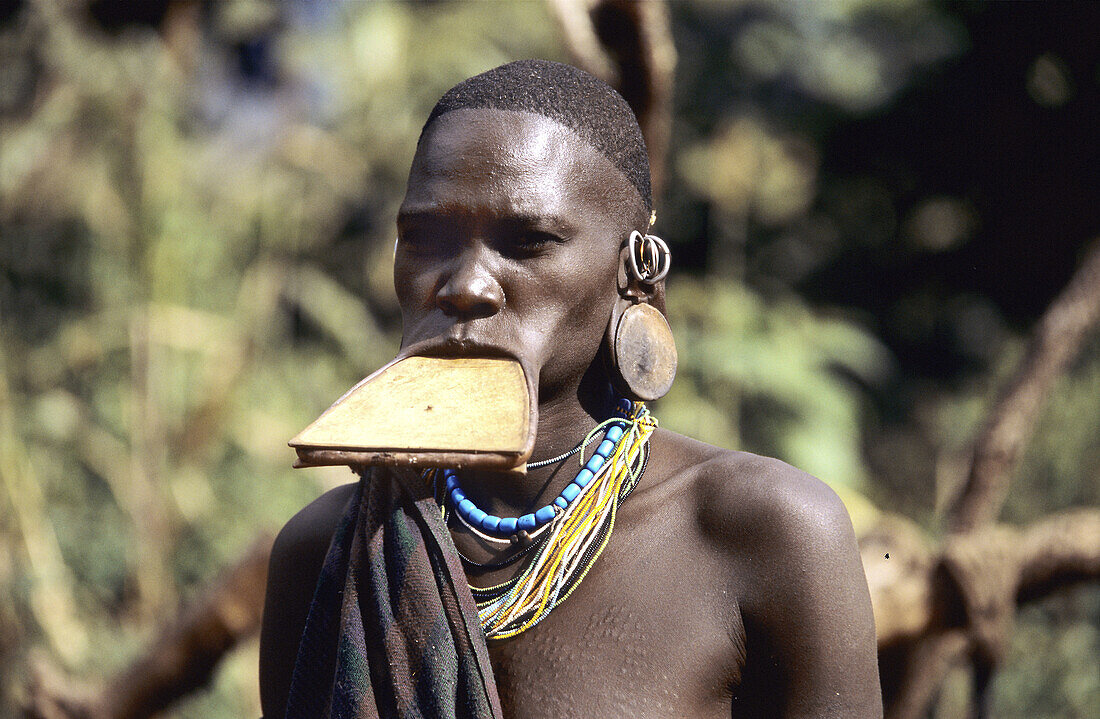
[{"x": 566, "y": 536}]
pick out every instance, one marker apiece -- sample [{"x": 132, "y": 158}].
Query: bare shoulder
[
  {"x": 310, "y": 530},
  {"x": 788, "y": 544},
  {"x": 742, "y": 497},
  {"x": 296, "y": 559},
  {"x": 786, "y": 531},
  {"x": 767, "y": 502}
]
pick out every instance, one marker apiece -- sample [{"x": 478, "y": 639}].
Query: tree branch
[
  {"x": 182, "y": 659},
  {"x": 932, "y": 609},
  {"x": 1057, "y": 339},
  {"x": 928, "y": 663},
  {"x": 628, "y": 45},
  {"x": 995, "y": 566},
  {"x": 575, "y": 19},
  {"x": 1058, "y": 550}
]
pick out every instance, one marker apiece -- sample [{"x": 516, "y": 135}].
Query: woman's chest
[{"x": 648, "y": 633}]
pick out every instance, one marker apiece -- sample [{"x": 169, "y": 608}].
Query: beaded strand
[
  {"x": 496, "y": 529},
  {"x": 483, "y": 523},
  {"x": 579, "y": 531}
]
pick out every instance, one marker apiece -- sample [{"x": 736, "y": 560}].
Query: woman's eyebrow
[
  {"x": 511, "y": 221},
  {"x": 543, "y": 223},
  {"x": 424, "y": 213}
]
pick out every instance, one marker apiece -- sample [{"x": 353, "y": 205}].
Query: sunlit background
[{"x": 869, "y": 204}]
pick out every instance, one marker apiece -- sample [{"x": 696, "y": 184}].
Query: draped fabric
[{"x": 393, "y": 629}]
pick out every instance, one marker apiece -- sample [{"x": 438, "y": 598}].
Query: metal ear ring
[
  {"x": 650, "y": 258},
  {"x": 642, "y": 350}
]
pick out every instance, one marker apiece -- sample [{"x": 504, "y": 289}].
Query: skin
[{"x": 731, "y": 587}]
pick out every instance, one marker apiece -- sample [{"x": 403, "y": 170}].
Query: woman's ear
[{"x": 641, "y": 348}]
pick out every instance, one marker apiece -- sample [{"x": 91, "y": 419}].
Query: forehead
[{"x": 515, "y": 163}]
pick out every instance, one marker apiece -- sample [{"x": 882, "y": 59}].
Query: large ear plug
[{"x": 642, "y": 350}]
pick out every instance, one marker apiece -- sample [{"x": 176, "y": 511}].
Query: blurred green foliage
[{"x": 196, "y": 223}]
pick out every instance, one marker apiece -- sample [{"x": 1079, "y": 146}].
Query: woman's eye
[
  {"x": 420, "y": 241},
  {"x": 535, "y": 240}
]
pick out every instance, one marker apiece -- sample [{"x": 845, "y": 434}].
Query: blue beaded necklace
[
  {"x": 573, "y": 538},
  {"x": 503, "y": 527}
]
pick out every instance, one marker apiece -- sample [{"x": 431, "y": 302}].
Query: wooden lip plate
[
  {"x": 420, "y": 414},
  {"x": 491, "y": 461}
]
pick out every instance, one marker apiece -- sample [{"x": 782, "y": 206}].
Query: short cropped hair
[{"x": 585, "y": 104}]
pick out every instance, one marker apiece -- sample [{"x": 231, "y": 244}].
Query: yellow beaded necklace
[{"x": 576, "y": 537}]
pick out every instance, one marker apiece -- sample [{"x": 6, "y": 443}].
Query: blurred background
[{"x": 870, "y": 205}]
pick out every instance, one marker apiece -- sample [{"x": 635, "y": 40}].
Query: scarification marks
[{"x": 610, "y": 665}]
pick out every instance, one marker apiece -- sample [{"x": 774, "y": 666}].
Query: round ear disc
[{"x": 644, "y": 352}]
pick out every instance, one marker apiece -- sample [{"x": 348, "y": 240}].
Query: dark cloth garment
[{"x": 393, "y": 629}]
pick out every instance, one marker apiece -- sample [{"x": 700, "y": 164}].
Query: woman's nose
[{"x": 471, "y": 292}]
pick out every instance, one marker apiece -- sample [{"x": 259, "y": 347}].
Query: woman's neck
[{"x": 563, "y": 422}]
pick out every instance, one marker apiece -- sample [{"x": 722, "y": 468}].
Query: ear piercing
[{"x": 649, "y": 256}]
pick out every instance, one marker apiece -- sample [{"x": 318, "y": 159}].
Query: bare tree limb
[
  {"x": 574, "y": 17},
  {"x": 181, "y": 659},
  {"x": 899, "y": 565},
  {"x": 629, "y": 45},
  {"x": 1059, "y": 550},
  {"x": 1056, "y": 341},
  {"x": 928, "y": 664},
  {"x": 989, "y": 567},
  {"x": 935, "y": 609},
  {"x": 184, "y": 658},
  {"x": 985, "y": 572},
  {"x": 984, "y": 567}
]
